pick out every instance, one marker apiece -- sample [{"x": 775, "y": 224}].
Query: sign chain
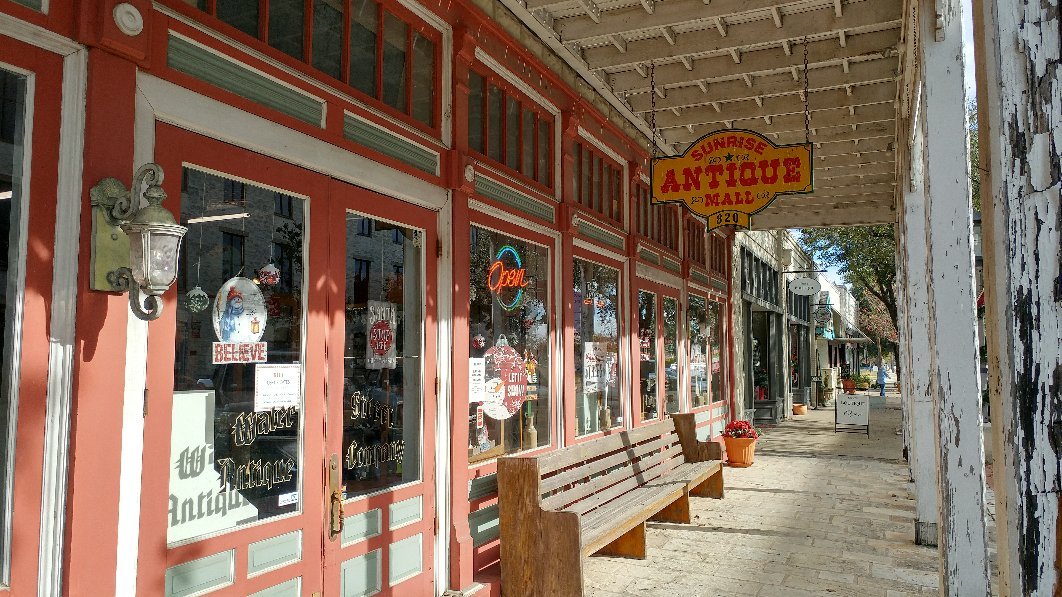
[
  {"x": 807, "y": 110},
  {"x": 652, "y": 104}
]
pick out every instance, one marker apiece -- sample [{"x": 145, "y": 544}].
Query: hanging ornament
[
  {"x": 196, "y": 300},
  {"x": 269, "y": 275}
]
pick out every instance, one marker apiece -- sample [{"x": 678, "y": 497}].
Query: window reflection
[
  {"x": 698, "y": 330},
  {"x": 597, "y": 334},
  {"x": 647, "y": 351},
  {"x": 509, "y": 356},
  {"x": 12, "y": 144},
  {"x": 238, "y": 392},
  {"x": 382, "y": 365},
  {"x": 671, "y": 394}
]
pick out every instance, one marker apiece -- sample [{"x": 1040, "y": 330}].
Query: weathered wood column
[
  {"x": 917, "y": 352},
  {"x": 952, "y": 327},
  {"x": 1020, "y": 113}
]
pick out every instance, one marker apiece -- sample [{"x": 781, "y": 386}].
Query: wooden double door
[{"x": 289, "y": 439}]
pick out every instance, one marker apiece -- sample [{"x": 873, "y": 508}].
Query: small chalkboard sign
[{"x": 852, "y": 414}]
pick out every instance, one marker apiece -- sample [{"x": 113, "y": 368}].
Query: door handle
[{"x": 335, "y": 498}]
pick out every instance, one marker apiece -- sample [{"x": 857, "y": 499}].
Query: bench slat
[
  {"x": 605, "y": 493},
  {"x": 593, "y": 466},
  {"x": 587, "y": 451},
  {"x": 637, "y": 469},
  {"x": 619, "y": 516}
]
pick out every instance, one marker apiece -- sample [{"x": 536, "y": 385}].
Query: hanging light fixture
[{"x": 135, "y": 248}]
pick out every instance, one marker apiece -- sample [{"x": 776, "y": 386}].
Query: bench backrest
[{"x": 586, "y": 476}]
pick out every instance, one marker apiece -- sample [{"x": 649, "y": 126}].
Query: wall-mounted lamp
[{"x": 134, "y": 248}]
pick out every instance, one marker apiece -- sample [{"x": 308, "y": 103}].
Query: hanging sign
[
  {"x": 804, "y": 286},
  {"x": 239, "y": 311},
  {"x": 507, "y": 278},
  {"x": 380, "y": 345},
  {"x": 240, "y": 319},
  {"x": 506, "y": 390},
  {"x": 731, "y": 174}
]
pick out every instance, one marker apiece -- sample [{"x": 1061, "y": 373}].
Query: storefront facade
[{"x": 396, "y": 215}]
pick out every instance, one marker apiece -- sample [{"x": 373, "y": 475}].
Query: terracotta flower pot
[
  {"x": 800, "y": 409},
  {"x": 739, "y": 450}
]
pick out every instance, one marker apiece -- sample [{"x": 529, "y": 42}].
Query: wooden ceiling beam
[
  {"x": 850, "y": 191},
  {"x": 773, "y": 218},
  {"x": 813, "y": 201},
  {"x": 877, "y": 14},
  {"x": 667, "y": 14},
  {"x": 855, "y": 159},
  {"x": 819, "y": 79},
  {"x": 852, "y": 148},
  {"x": 824, "y": 172},
  {"x": 780, "y": 130},
  {"x": 874, "y": 93},
  {"x": 764, "y": 61},
  {"x": 821, "y": 119}
]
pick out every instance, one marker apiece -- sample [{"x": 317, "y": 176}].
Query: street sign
[
  {"x": 731, "y": 174},
  {"x": 804, "y": 286}
]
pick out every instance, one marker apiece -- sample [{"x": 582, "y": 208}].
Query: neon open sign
[{"x": 503, "y": 278}]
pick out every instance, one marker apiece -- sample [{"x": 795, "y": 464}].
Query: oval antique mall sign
[{"x": 731, "y": 174}]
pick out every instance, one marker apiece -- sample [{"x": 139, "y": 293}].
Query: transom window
[
  {"x": 598, "y": 182},
  {"x": 658, "y": 223},
  {"x": 509, "y": 128},
  {"x": 384, "y": 52}
]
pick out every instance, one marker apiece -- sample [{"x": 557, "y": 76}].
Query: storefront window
[
  {"x": 509, "y": 350},
  {"x": 698, "y": 326},
  {"x": 597, "y": 334},
  {"x": 716, "y": 330},
  {"x": 238, "y": 391},
  {"x": 647, "y": 349},
  {"x": 12, "y": 206},
  {"x": 671, "y": 394},
  {"x": 382, "y": 364}
]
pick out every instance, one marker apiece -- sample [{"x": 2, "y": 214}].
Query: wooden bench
[{"x": 595, "y": 497}]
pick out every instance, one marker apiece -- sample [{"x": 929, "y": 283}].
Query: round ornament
[
  {"x": 269, "y": 275},
  {"x": 196, "y": 300},
  {"x": 239, "y": 311}
]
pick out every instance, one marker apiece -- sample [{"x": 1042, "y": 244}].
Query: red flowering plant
[{"x": 742, "y": 429}]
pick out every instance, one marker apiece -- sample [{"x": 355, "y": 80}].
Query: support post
[
  {"x": 922, "y": 418},
  {"x": 952, "y": 329},
  {"x": 1020, "y": 124}
]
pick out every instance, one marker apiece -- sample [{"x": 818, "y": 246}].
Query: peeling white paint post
[
  {"x": 917, "y": 350},
  {"x": 955, "y": 386},
  {"x": 1020, "y": 109}
]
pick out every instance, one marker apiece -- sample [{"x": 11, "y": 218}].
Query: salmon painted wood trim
[
  {"x": 445, "y": 62},
  {"x": 658, "y": 276},
  {"x": 184, "y": 108},
  {"x": 54, "y": 481},
  {"x": 601, "y": 505}
]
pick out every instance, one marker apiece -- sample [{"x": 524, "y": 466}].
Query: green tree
[{"x": 864, "y": 256}]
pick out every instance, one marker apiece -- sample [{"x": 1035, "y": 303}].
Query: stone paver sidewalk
[{"x": 818, "y": 513}]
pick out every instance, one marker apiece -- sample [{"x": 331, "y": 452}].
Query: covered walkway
[{"x": 819, "y": 513}]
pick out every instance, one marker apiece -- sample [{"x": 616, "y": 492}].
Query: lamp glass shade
[{"x": 153, "y": 251}]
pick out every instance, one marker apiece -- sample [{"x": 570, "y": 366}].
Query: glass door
[
  {"x": 287, "y": 449},
  {"x": 381, "y": 462}
]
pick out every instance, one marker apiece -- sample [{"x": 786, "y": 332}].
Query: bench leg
[
  {"x": 677, "y": 511},
  {"x": 629, "y": 545},
  {"x": 712, "y": 487}
]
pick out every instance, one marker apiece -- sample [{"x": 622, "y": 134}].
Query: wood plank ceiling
[{"x": 740, "y": 64}]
